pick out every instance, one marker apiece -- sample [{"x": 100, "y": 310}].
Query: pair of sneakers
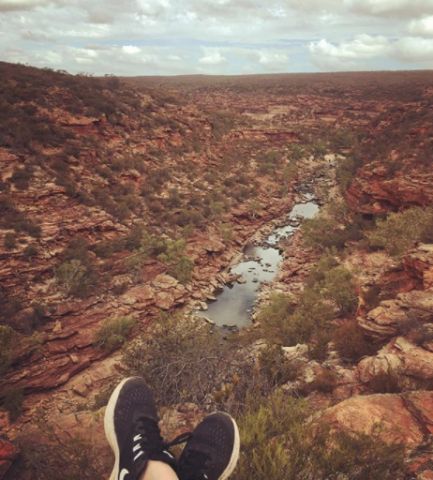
[{"x": 131, "y": 427}]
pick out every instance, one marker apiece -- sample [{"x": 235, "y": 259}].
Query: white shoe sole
[
  {"x": 235, "y": 453},
  {"x": 110, "y": 431}
]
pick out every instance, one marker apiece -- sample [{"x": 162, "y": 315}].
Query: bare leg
[{"x": 158, "y": 471}]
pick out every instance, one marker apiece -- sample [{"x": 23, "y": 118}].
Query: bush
[
  {"x": 400, "y": 231},
  {"x": 75, "y": 278},
  {"x": 385, "y": 382},
  {"x": 324, "y": 382},
  {"x": 351, "y": 343},
  {"x": 6, "y": 336},
  {"x": 179, "y": 265},
  {"x": 321, "y": 232},
  {"x": 21, "y": 177},
  {"x": 180, "y": 359},
  {"x": 30, "y": 251},
  {"x": 10, "y": 241},
  {"x": 275, "y": 313},
  {"x": 275, "y": 367},
  {"x": 346, "y": 170},
  {"x": 113, "y": 333},
  {"x": 289, "y": 324},
  {"x": 278, "y": 442},
  {"x": 338, "y": 286},
  {"x": 54, "y": 452},
  {"x": 12, "y": 401}
]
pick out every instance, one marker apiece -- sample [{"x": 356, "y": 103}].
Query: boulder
[
  {"x": 420, "y": 262},
  {"x": 410, "y": 364},
  {"x": 405, "y": 419},
  {"x": 392, "y": 316}
]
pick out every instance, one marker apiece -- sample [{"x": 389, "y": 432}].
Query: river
[{"x": 260, "y": 263}]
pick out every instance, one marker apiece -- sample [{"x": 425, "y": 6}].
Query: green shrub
[
  {"x": 179, "y": 265},
  {"x": 384, "y": 383},
  {"x": 10, "y": 241},
  {"x": 325, "y": 382},
  {"x": 30, "y": 251},
  {"x": 275, "y": 367},
  {"x": 278, "y": 442},
  {"x": 289, "y": 324},
  {"x": 400, "y": 231},
  {"x": 113, "y": 333},
  {"x": 180, "y": 359},
  {"x": 12, "y": 401},
  {"x": 346, "y": 170},
  {"x": 333, "y": 227},
  {"x": 75, "y": 278},
  {"x": 323, "y": 232},
  {"x": 21, "y": 177},
  {"x": 274, "y": 314},
  {"x": 351, "y": 343},
  {"x": 338, "y": 286},
  {"x": 82, "y": 459},
  {"x": 6, "y": 336}
]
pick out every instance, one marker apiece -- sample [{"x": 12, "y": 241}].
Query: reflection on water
[{"x": 234, "y": 304}]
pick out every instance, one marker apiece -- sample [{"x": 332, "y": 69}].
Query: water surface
[{"x": 234, "y": 304}]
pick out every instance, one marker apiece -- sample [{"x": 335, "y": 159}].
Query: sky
[{"x": 171, "y": 37}]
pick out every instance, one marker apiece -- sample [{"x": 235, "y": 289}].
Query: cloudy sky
[{"x": 165, "y": 37}]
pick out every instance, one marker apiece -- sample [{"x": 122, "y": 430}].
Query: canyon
[{"x": 132, "y": 198}]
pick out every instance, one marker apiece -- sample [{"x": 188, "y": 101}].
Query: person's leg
[
  {"x": 131, "y": 428},
  {"x": 158, "y": 471}
]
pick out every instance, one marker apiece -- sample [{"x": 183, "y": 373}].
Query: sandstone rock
[
  {"x": 374, "y": 192},
  {"x": 163, "y": 282},
  {"x": 165, "y": 300},
  {"x": 405, "y": 419},
  {"x": 296, "y": 352},
  {"x": 8, "y": 453},
  {"x": 143, "y": 294},
  {"x": 401, "y": 358},
  {"x": 390, "y": 317},
  {"x": 420, "y": 261},
  {"x": 213, "y": 245}
]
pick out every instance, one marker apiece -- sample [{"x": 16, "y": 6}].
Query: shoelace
[{"x": 151, "y": 439}]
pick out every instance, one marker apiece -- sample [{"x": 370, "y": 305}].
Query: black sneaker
[
  {"x": 212, "y": 450},
  {"x": 131, "y": 428}
]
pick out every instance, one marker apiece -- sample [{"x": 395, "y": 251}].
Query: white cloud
[
  {"x": 414, "y": 49},
  {"x": 273, "y": 61},
  {"x": 422, "y": 26},
  {"x": 216, "y": 36},
  {"x": 347, "y": 55},
  {"x": 212, "y": 56},
  {"x": 391, "y": 7},
  {"x": 16, "y": 5},
  {"x": 131, "y": 49}
]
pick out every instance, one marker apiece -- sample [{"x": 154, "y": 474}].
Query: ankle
[{"x": 156, "y": 470}]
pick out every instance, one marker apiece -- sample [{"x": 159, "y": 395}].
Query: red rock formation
[
  {"x": 406, "y": 419},
  {"x": 8, "y": 453}
]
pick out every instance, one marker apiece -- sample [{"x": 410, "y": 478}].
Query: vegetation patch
[
  {"x": 401, "y": 230},
  {"x": 279, "y": 441},
  {"x": 114, "y": 333}
]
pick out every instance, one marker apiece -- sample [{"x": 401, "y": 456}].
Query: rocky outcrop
[
  {"x": 8, "y": 453},
  {"x": 411, "y": 366},
  {"x": 420, "y": 263},
  {"x": 395, "y": 316},
  {"x": 405, "y": 418},
  {"x": 374, "y": 192}
]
